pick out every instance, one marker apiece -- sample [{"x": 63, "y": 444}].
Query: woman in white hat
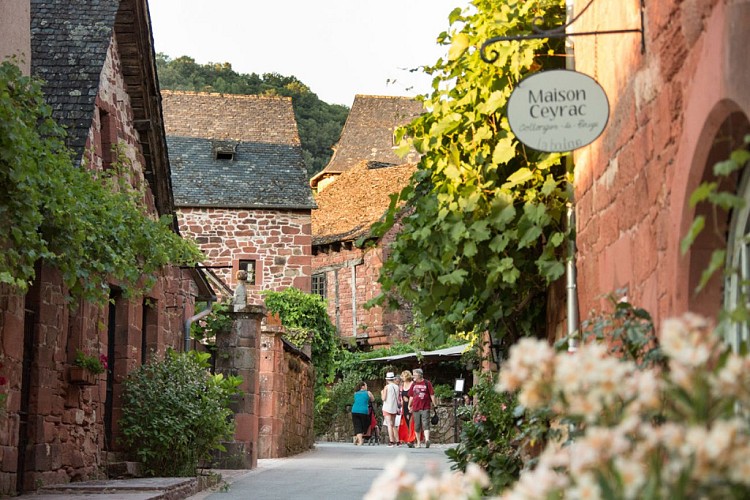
[{"x": 390, "y": 395}]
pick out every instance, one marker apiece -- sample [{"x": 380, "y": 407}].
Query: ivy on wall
[
  {"x": 93, "y": 227},
  {"x": 305, "y": 317}
]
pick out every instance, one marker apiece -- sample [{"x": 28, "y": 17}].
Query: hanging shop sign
[{"x": 558, "y": 110}]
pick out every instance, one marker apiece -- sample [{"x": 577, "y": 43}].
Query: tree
[
  {"x": 483, "y": 218},
  {"x": 319, "y": 123}
]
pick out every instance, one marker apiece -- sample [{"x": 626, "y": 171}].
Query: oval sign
[{"x": 558, "y": 110}]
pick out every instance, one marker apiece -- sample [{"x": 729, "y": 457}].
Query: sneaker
[
  {"x": 419, "y": 445},
  {"x": 426, "y": 444},
  {"x": 390, "y": 445},
  {"x": 410, "y": 445}
]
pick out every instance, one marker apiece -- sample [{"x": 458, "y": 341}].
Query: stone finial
[{"x": 239, "y": 300}]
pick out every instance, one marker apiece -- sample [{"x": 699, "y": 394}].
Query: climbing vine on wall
[
  {"x": 305, "y": 317},
  {"x": 483, "y": 232},
  {"x": 94, "y": 229}
]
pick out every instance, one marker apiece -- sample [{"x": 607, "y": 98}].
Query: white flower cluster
[
  {"x": 588, "y": 383},
  {"x": 395, "y": 483},
  {"x": 698, "y": 446}
]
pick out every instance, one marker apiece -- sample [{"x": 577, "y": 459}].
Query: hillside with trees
[{"x": 319, "y": 123}]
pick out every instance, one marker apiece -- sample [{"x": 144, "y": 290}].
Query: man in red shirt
[{"x": 421, "y": 399}]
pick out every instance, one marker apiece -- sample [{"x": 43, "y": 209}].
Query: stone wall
[
  {"x": 342, "y": 429},
  {"x": 670, "y": 107},
  {"x": 287, "y": 397},
  {"x": 277, "y": 240},
  {"x": 66, "y": 432},
  {"x": 352, "y": 280},
  {"x": 238, "y": 354}
]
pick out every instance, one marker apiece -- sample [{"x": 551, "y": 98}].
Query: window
[
  {"x": 319, "y": 285},
  {"x": 249, "y": 266},
  {"x": 224, "y": 150},
  {"x": 105, "y": 134}
]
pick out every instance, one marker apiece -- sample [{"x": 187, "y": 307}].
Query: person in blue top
[{"x": 361, "y": 412}]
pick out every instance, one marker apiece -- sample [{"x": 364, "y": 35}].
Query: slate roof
[
  {"x": 267, "y": 170},
  {"x": 359, "y": 197},
  {"x": 368, "y": 133},
  {"x": 69, "y": 42}
]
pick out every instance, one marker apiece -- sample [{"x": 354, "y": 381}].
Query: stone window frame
[{"x": 258, "y": 275}]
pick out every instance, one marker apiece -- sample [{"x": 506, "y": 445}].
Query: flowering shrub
[
  {"x": 650, "y": 433},
  {"x": 94, "y": 364},
  {"x": 490, "y": 437},
  {"x": 395, "y": 483}
]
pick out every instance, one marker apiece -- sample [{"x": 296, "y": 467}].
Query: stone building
[
  {"x": 676, "y": 107},
  {"x": 98, "y": 63},
  {"x": 368, "y": 136},
  {"x": 346, "y": 274},
  {"x": 353, "y": 193},
  {"x": 240, "y": 186}
]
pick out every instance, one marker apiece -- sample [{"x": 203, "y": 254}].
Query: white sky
[{"x": 338, "y": 48}]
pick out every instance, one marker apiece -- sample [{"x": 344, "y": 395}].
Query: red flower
[{"x": 103, "y": 360}]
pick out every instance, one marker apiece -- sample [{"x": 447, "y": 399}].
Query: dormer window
[{"x": 224, "y": 150}]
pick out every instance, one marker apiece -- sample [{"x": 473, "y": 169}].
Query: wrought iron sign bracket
[{"x": 489, "y": 55}]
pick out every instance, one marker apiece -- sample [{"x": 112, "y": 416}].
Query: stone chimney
[{"x": 15, "y": 32}]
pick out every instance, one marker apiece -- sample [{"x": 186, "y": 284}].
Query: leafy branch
[
  {"x": 483, "y": 221},
  {"x": 93, "y": 227}
]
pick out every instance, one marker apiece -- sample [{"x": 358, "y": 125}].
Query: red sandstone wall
[
  {"x": 278, "y": 240},
  {"x": 66, "y": 421},
  {"x": 287, "y": 399},
  {"x": 633, "y": 183},
  {"x": 372, "y": 326}
]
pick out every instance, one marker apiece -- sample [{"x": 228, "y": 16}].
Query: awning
[{"x": 447, "y": 352}]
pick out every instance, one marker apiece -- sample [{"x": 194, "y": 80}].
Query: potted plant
[{"x": 86, "y": 368}]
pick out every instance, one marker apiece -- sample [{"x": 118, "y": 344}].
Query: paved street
[{"x": 330, "y": 470}]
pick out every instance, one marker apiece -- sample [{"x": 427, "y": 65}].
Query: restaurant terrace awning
[{"x": 447, "y": 352}]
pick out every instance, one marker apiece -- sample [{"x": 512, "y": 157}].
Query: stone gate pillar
[
  {"x": 238, "y": 353},
  {"x": 272, "y": 392}
]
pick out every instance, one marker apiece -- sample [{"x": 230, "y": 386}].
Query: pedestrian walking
[
  {"x": 390, "y": 396},
  {"x": 421, "y": 400},
  {"x": 406, "y": 429},
  {"x": 361, "y": 412}
]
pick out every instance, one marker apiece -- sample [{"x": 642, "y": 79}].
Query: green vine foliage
[
  {"x": 95, "y": 230},
  {"x": 483, "y": 227},
  {"x": 711, "y": 192},
  {"x": 305, "y": 316},
  {"x": 489, "y": 437}
]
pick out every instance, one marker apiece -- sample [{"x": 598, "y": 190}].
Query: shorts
[
  {"x": 389, "y": 418},
  {"x": 421, "y": 420},
  {"x": 361, "y": 422}
]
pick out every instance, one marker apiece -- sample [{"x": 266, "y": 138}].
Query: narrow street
[{"x": 330, "y": 470}]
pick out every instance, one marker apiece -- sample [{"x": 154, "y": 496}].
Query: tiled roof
[
  {"x": 359, "y": 197},
  {"x": 267, "y": 168},
  {"x": 368, "y": 132},
  {"x": 69, "y": 42},
  {"x": 250, "y": 118}
]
